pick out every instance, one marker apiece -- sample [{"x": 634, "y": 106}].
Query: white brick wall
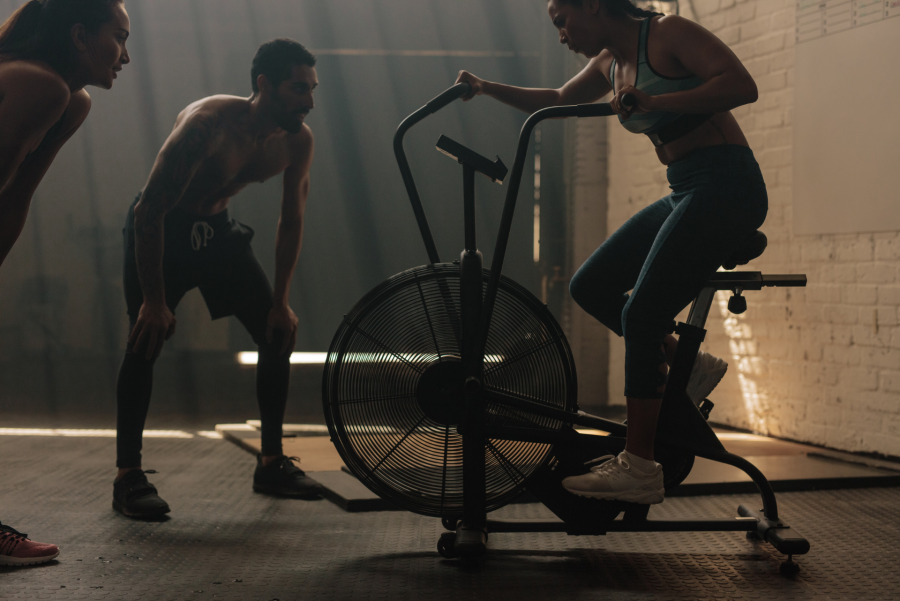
[{"x": 820, "y": 364}]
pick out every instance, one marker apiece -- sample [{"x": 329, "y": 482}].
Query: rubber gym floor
[{"x": 223, "y": 541}]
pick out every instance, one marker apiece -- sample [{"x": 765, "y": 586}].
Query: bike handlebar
[
  {"x": 431, "y": 107},
  {"x": 509, "y": 206},
  {"x": 448, "y": 96}
]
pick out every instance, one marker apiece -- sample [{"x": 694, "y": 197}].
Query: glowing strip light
[
  {"x": 423, "y": 53},
  {"x": 252, "y": 357},
  {"x": 740, "y": 436},
  {"x": 290, "y": 428},
  {"x": 88, "y": 433}
]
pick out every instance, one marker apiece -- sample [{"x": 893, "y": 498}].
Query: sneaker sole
[
  {"x": 121, "y": 509},
  {"x": 309, "y": 496},
  {"x": 644, "y": 498},
  {"x": 705, "y": 386},
  {"x": 26, "y": 561}
]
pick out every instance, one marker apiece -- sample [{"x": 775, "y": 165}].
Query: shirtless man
[{"x": 178, "y": 236}]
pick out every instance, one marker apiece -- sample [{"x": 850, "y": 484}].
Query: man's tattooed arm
[{"x": 181, "y": 156}]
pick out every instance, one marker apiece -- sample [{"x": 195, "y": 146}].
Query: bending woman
[
  {"x": 686, "y": 82},
  {"x": 49, "y": 51}
]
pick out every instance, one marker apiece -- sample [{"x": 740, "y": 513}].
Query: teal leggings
[{"x": 666, "y": 253}]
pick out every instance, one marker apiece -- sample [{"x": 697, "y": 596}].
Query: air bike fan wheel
[{"x": 393, "y": 389}]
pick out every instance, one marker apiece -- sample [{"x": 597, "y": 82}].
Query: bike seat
[{"x": 749, "y": 249}]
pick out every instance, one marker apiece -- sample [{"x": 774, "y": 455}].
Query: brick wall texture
[{"x": 820, "y": 364}]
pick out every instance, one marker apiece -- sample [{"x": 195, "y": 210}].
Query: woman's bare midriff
[{"x": 721, "y": 128}]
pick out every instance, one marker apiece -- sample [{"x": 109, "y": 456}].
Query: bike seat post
[
  {"x": 691, "y": 335},
  {"x": 701, "y": 306}
]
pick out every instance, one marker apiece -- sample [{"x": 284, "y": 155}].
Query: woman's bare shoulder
[
  {"x": 602, "y": 62},
  {"x": 27, "y": 80},
  {"x": 675, "y": 26}
]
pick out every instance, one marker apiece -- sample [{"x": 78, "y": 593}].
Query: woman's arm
[
  {"x": 33, "y": 100},
  {"x": 727, "y": 84},
  {"x": 25, "y": 118},
  {"x": 589, "y": 85}
]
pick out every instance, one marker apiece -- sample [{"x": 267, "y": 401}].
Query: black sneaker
[
  {"x": 135, "y": 497},
  {"x": 281, "y": 477}
]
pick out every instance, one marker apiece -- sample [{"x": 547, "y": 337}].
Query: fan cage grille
[{"x": 377, "y": 358}]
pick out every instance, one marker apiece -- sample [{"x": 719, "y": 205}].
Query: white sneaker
[
  {"x": 706, "y": 375},
  {"x": 615, "y": 478}
]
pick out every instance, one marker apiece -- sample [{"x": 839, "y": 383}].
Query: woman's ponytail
[
  {"x": 619, "y": 8},
  {"x": 628, "y": 8},
  {"x": 21, "y": 30}
]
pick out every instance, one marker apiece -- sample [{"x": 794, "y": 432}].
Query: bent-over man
[{"x": 178, "y": 236}]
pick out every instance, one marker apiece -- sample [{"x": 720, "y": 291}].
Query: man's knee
[
  {"x": 272, "y": 354},
  {"x": 137, "y": 359}
]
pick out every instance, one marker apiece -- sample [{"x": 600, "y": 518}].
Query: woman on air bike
[{"x": 686, "y": 81}]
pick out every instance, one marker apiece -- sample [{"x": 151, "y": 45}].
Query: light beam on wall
[{"x": 744, "y": 359}]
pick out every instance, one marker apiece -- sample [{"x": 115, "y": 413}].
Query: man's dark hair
[{"x": 277, "y": 59}]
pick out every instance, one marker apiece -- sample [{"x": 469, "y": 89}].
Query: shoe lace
[
  {"x": 606, "y": 464},
  {"x": 10, "y": 539},
  {"x": 139, "y": 487},
  {"x": 10, "y": 531},
  {"x": 290, "y": 464}
]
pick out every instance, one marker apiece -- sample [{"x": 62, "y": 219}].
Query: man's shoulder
[
  {"x": 303, "y": 140},
  {"x": 212, "y": 109}
]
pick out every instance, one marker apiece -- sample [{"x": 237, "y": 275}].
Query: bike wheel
[{"x": 393, "y": 389}]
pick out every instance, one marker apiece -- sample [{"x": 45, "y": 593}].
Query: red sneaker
[{"x": 17, "y": 550}]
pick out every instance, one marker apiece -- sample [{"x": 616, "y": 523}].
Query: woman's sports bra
[{"x": 660, "y": 126}]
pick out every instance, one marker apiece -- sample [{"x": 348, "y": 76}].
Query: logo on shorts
[{"x": 201, "y": 234}]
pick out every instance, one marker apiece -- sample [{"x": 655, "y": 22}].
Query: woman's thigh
[
  {"x": 601, "y": 284},
  {"x": 705, "y": 228}
]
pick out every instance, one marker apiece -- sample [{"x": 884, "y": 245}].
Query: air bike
[{"x": 449, "y": 390}]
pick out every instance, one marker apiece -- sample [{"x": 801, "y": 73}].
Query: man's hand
[
  {"x": 155, "y": 324},
  {"x": 282, "y": 319},
  {"x": 476, "y": 83}
]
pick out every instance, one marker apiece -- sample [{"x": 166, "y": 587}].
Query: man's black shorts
[{"x": 212, "y": 253}]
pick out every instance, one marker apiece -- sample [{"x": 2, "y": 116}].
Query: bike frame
[{"x": 682, "y": 425}]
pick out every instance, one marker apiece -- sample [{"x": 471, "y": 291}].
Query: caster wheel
[
  {"x": 446, "y": 545},
  {"x": 751, "y": 535},
  {"x": 449, "y": 524},
  {"x": 789, "y": 568}
]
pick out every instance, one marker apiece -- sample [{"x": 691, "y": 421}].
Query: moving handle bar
[
  {"x": 433, "y": 106},
  {"x": 442, "y": 100},
  {"x": 436, "y": 104},
  {"x": 509, "y": 207}
]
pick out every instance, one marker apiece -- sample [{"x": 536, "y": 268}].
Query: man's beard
[
  {"x": 286, "y": 121},
  {"x": 290, "y": 123}
]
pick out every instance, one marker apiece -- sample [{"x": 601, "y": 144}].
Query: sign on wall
[{"x": 846, "y": 123}]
